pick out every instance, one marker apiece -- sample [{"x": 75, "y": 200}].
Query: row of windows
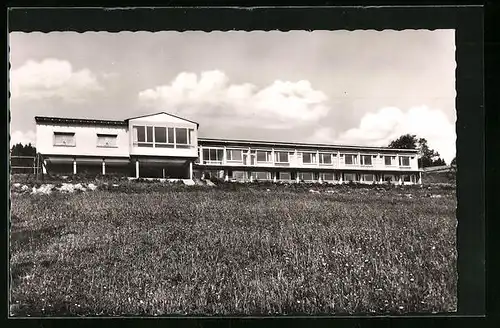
[
  {"x": 214, "y": 155},
  {"x": 163, "y": 137},
  {"x": 68, "y": 139},
  {"x": 144, "y": 136},
  {"x": 309, "y": 176}
]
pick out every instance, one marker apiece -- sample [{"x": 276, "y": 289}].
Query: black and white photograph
[{"x": 232, "y": 173}]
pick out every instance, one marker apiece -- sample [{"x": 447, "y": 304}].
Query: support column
[
  {"x": 297, "y": 178},
  {"x": 190, "y": 170},
  {"x": 74, "y": 166},
  {"x": 400, "y": 181},
  {"x": 251, "y": 177},
  {"x": 275, "y": 174},
  {"x": 44, "y": 167},
  {"x": 103, "y": 167},
  {"x": 226, "y": 175},
  {"x": 419, "y": 177},
  {"x": 341, "y": 180},
  {"x": 381, "y": 178},
  {"x": 320, "y": 179},
  {"x": 137, "y": 169}
]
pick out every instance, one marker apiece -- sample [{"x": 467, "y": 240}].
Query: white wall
[{"x": 85, "y": 137}]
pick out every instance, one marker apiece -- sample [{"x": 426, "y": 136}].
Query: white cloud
[
  {"x": 280, "y": 104},
  {"x": 52, "y": 78},
  {"x": 380, "y": 128},
  {"x": 22, "y": 137}
]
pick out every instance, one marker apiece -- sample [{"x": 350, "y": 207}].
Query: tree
[
  {"x": 426, "y": 156},
  {"x": 406, "y": 141},
  {"x": 20, "y": 150}
]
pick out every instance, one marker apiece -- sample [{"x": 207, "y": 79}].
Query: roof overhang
[
  {"x": 261, "y": 143},
  {"x": 82, "y": 121}
]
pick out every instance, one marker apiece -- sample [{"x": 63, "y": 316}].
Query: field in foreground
[{"x": 229, "y": 252}]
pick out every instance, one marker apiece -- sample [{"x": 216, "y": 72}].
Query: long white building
[{"x": 162, "y": 145}]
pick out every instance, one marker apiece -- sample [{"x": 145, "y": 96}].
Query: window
[
  {"x": 388, "y": 177},
  {"x": 281, "y": 157},
  {"x": 149, "y": 134},
  {"x": 388, "y": 160},
  {"x": 106, "y": 140},
  {"x": 407, "y": 178},
  {"x": 306, "y": 176},
  {"x": 143, "y": 136},
  {"x": 309, "y": 158},
  {"x": 327, "y": 176},
  {"x": 368, "y": 177},
  {"x": 349, "y": 177},
  {"x": 235, "y": 155},
  {"x": 351, "y": 159},
  {"x": 366, "y": 160},
  {"x": 404, "y": 161},
  {"x": 181, "y": 137},
  {"x": 239, "y": 175},
  {"x": 170, "y": 135},
  {"x": 263, "y": 156},
  {"x": 64, "y": 139},
  {"x": 212, "y": 155},
  {"x": 140, "y": 133},
  {"x": 261, "y": 175},
  {"x": 160, "y": 134},
  {"x": 190, "y": 136},
  {"x": 285, "y": 175},
  {"x": 325, "y": 159}
]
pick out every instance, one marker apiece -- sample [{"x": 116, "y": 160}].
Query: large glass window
[
  {"x": 349, "y": 176},
  {"x": 239, "y": 175},
  {"x": 309, "y": 158},
  {"x": 281, "y": 157},
  {"x": 327, "y": 176},
  {"x": 388, "y": 160},
  {"x": 140, "y": 133},
  {"x": 369, "y": 177},
  {"x": 404, "y": 161},
  {"x": 170, "y": 135},
  {"x": 351, "y": 159},
  {"x": 366, "y": 159},
  {"x": 160, "y": 134},
  {"x": 64, "y": 139},
  {"x": 285, "y": 175},
  {"x": 325, "y": 159},
  {"x": 263, "y": 156},
  {"x": 306, "y": 176},
  {"x": 235, "y": 155},
  {"x": 261, "y": 175},
  {"x": 212, "y": 155},
  {"x": 149, "y": 134},
  {"x": 181, "y": 136}
]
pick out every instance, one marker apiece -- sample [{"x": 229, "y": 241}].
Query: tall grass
[{"x": 223, "y": 252}]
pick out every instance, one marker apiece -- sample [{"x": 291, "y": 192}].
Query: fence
[{"x": 24, "y": 164}]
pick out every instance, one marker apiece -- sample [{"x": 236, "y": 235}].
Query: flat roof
[
  {"x": 297, "y": 144},
  {"x": 46, "y": 119}
]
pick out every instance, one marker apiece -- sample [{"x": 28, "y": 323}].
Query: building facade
[{"x": 166, "y": 146}]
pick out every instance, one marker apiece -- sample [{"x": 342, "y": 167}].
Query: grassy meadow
[{"x": 233, "y": 251}]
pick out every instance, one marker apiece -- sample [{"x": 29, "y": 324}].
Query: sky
[{"x": 362, "y": 87}]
